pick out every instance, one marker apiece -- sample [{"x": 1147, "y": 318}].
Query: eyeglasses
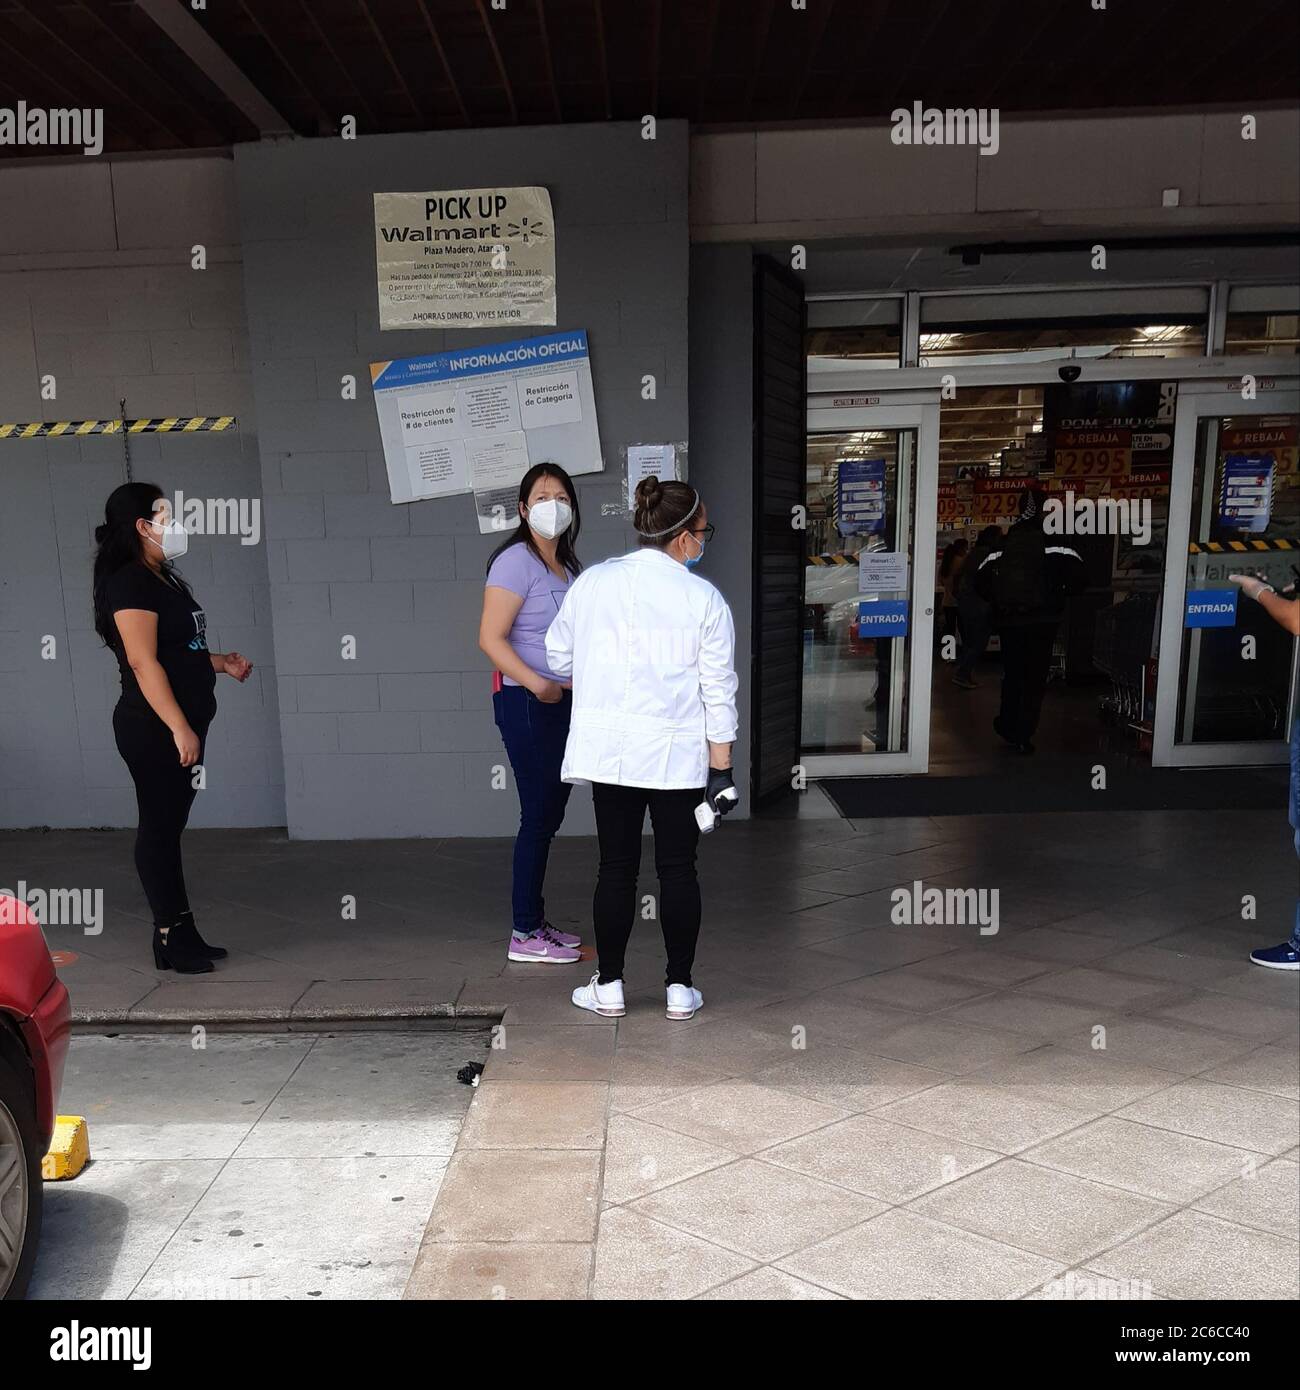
[{"x": 705, "y": 533}]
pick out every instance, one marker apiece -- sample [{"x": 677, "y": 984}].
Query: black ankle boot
[
  {"x": 212, "y": 952},
  {"x": 179, "y": 949}
]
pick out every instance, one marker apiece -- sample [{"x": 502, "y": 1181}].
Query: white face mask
[
  {"x": 175, "y": 539},
  {"x": 550, "y": 518}
]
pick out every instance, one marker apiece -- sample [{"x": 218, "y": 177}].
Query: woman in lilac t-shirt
[{"x": 528, "y": 576}]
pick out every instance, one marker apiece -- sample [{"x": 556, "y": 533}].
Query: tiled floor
[
  {"x": 253, "y": 1167},
  {"x": 1100, "y": 1096}
]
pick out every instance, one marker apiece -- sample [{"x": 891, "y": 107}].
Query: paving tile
[
  {"x": 642, "y": 1078},
  {"x": 209, "y": 999},
  {"x": 849, "y": 1080},
  {"x": 908, "y": 988},
  {"x": 303, "y": 1228},
  {"x": 1091, "y": 1082},
  {"x": 988, "y": 1116},
  {"x": 536, "y": 1115},
  {"x": 178, "y": 1101},
  {"x": 756, "y": 1209},
  {"x": 1102, "y": 988},
  {"x": 1155, "y": 1042},
  {"x": 740, "y": 1116},
  {"x": 1157, "y": 1163},
  {"x": 768, "y": 1285},
  {"x": 901, "y": 1255},
  {"x": 879, "y": 1159},
  {"x": 637, "y": 1258},
  {"x": 1263, "y": 1023},
  {"x": 430, "y": 997},
  {"x": 1224, "y": 1114},
  {"x": 957, "y": 1048},
  {"x": 1047, "y": 1213},
  {"x": 1025, "y": 1013},
  {"x": 1275, "y": 1069},
  {"x": 1267, "y": 1198},
  {"x": 642, "y": 1157},
  {"x": 484, "y": 1197},
  {"x": 1193, "y": 1255},
  {"x": 101, "y": 1234},
  {"x": 560, "y": 1052},
  {"x": 551, "y": 1273}
]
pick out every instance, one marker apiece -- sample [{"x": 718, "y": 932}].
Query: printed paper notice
[
  {"x": 499, "y": 461},
  {"x": 649, "y": 461},
  {"x": 469, "y": 420}
]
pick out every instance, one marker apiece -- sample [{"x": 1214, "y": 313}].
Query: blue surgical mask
[{"x": 692, "y": 562}]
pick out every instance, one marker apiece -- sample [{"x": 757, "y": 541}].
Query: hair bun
[
  {"x": 101, "y": 533},
  {"x": 649, "y": 493}
]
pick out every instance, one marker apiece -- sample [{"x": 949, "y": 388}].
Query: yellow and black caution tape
[
  {"x": 1242, "y": 547},
  {"x": 832, "y": 559},
  {"x": 171, "y": 424}
]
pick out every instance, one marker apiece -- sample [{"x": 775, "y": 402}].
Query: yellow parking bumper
[{"x": 69, "y": 1149}]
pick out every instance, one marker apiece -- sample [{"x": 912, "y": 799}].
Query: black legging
[
  {"x": 164, "y": 793},
  {"x": 620, "y": 815}
]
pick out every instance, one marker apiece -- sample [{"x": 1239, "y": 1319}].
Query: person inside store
[
  {"x": 1284, "y": 609},
  {"x": 951, "y": 565},
  {"x": 1027, "y": 579},
  {"x": 650, "y": 648},
  {"x": 528, "y": 576},
  {"x": 973, "y": 611},
  {"x": 147, "y": 616}
]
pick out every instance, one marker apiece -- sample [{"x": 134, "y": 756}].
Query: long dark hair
[
  {"x": 950, "y": 554},
  {"x": 119, "y": 545},
  {"x": 566, "y": 550}
]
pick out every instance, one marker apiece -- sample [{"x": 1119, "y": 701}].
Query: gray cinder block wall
[
  {"x": 400, "y": 741},
  {"x": 97, "y": 290}
]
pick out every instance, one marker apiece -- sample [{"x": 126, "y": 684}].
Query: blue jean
[{"x": 534, "y": 734}]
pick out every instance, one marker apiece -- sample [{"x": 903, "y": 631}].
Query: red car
[{"x": 35, "y": 1025}]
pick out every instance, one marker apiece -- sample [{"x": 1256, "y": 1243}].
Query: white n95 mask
[
  {"x": 550, "y": 518},
  {"x": 175, "y": 540}
]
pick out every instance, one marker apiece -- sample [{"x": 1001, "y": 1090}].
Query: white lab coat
[{"x": 650, "y": 648}]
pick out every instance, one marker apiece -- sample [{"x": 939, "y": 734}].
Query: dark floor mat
[{"x": 1025, "y": 786}]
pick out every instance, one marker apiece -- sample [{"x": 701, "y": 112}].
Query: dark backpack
[{"x": 1023, "y": 583}]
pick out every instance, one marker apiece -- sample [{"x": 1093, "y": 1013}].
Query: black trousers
[
  {"x": 620, "y": 815},
  {"x": 1026, "y": 661},
  {"x": 164, "y": 793}
]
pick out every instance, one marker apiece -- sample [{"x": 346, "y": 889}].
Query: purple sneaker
[
  {"x": 538, "y": 949},
  {"x": 559, "y": 938}
]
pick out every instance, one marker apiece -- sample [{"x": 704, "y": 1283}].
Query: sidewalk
[{"x": 1105, "y": 1090}]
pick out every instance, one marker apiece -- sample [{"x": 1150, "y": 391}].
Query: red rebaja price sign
[{"x": 1101, "y": 453}]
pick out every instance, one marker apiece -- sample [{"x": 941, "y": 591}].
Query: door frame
[
  {"x": 890, "y": 409},
  {"x": 1197, "y": 400}
]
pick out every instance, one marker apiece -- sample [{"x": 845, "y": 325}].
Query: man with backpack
[{"x": 1027, "y": 579}]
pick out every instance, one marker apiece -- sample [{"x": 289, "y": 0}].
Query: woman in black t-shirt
[{"x": 146, "y": 613}]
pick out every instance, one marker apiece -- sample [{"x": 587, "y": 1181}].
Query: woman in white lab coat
[{"x": 650, "y": 649}]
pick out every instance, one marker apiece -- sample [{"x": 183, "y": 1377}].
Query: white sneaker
[
  {"x": 683, "y": 1000},
  {"x": 605, "y": 1000}
]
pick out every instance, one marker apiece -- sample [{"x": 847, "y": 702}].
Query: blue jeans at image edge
[{"x": 534, "y": 734}]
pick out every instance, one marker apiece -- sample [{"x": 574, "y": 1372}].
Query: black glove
[{"x": 720, "y": 791}]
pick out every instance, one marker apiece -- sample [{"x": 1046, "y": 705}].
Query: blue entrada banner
[
  {"x": 884, "y": 618},
  {"x": 1211, "y": 608}
]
